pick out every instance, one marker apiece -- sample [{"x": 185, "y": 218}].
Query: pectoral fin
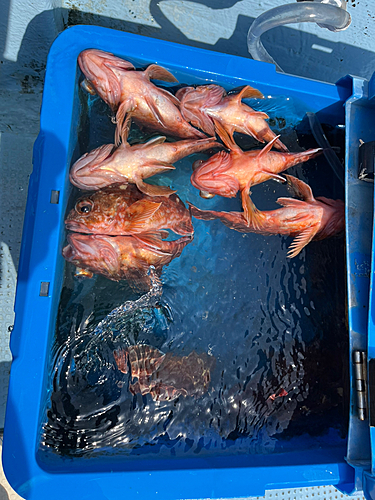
[
  {"x": 155, "y": 111},
  {"x": 302, "y": 240},
  {"x": 267, "y": 148},
  {"x": 153, "y": 142},
  {"x": 301, "y": 189},
  {"x": 139, "y": 214},
  {"x": 153, "y": 240},
  {"x": 249, "y": 92},
  {"x": 275, "y": 177},
  {"x": 254, "y": 217},
  {"x": 259, "y": 114},
  {"x": 123, "y": 125},
  {"x": 170, "y": 96},
  {"x": 155, "y": 72},
  {"x": 152, "y": 190},
  {"x": 198, "y": 118},
  {"x": 291, "y": 202},
  {"x": 226, "y": 137}
]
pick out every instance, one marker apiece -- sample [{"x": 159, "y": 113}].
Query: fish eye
[{"x": 84, "y": 207}]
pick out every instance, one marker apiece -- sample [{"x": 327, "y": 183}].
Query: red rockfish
[
  {"x": 108, "y": 165},
  {"x": 164, "y": 376},
  {"x": 124, "y": 210},
  {"x": 227, "y": 173},
  {"x": 204, "y": 105},
  {"x": 122, "y": 257},
  {"x": 307, "y": 219},
  {"x": 128, "y": 91}
]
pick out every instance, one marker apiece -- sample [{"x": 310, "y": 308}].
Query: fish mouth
[
  {"x": 78, "y": 245},
  {"x": 90, "y": 179},
  {"x": 77, "y": 227},
  {"x": 88, "y": 182}
]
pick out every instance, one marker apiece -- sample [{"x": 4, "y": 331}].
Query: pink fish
[
  {"x": 107, "y": 165},
  {"x": 122, "y": 210},
  {"x": 122, "y": 257},
  {"x": 164, "y": 376},
  {"x": 204, "y": 105},
  {"x": 227, "y": 173},
  {"x": 307, "y": 219},
  {"x": 128, "y": 91}
]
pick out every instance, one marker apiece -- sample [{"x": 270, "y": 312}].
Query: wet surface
[{"x": 273, "y": 328}]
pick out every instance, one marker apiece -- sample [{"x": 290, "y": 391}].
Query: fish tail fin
[{"x": 121, "y": 359}]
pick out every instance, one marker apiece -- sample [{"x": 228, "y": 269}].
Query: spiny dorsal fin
[
  {"x": 155, "y": 72},
  {"x": 302, "y": 189}
]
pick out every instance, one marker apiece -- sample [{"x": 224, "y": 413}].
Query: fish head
[
  {"x": 97, "y": 212},
  {"x": 96, "y": 253},
  {"x": 333, "y": 219},
  {"x": 211, "y": 176},
  {"x": 93, "y": 171},
  {"x": 101, "y": 70}
]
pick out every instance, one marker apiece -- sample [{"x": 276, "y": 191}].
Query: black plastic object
[
  {"x": 366, "y": 161},
  {"x": 322, "y": 141}
]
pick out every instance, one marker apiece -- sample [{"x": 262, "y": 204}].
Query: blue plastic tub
[{"x": 41, "y": 275}]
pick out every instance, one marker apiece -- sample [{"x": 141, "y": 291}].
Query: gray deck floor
[{"x": 26, "y": 32}]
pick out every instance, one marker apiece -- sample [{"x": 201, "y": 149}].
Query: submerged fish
[
  {"x": 122, "y": 210},
  {"x": 307, "y": 219},
  {"x": 132, "y": 164},
  {"x": 129, "y": 91},
  {"x": 227, "y": 173},
  {"x": 123, "y": 257},
  {"x": 204, "y": 105},
  {"x": 164, "y": 376}
]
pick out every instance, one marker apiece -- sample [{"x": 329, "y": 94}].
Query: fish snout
[{"x": 96, "y": 66}]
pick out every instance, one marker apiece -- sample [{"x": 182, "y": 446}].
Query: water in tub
[{"x": 237, "y": 349}]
